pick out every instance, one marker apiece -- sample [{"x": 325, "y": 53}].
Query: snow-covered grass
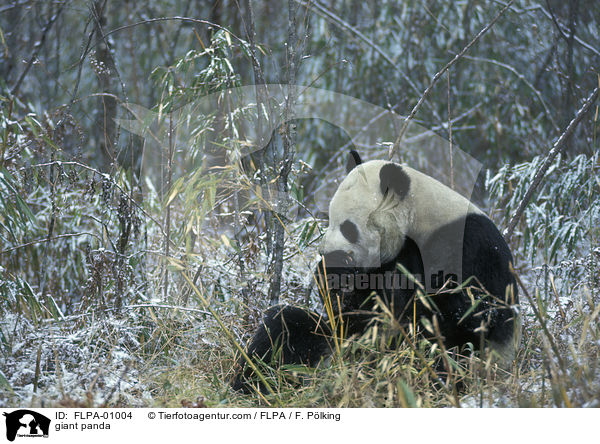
[{"x": 158, "y": 353}]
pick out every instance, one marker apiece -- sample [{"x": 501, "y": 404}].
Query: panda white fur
[{"x": 388, "y": 221}]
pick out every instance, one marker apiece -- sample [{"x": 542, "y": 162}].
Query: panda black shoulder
[{"x": 486, "y": 254}]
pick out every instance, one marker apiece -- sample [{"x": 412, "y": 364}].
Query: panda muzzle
[{"x": 338, "y": 259}]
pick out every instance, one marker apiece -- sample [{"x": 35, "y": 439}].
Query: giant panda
[{"x": 400, "y": 238}]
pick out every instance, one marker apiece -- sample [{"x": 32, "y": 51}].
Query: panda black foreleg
[{"x": 286, "y": 335}]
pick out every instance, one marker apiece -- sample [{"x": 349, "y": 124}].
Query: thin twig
[
  {"x": 104, "y": 176},
  {"x": 37, "y": 47},
  {"x": 561, "y": 27},
  {"x": 556, "y": 148},
  {"x": 343, "y": 150},
  {"x": 543, "y": 323},
  {"x": 175, "y": 40},
  {"x": 439, "y": 75},
  {"x": 556, "y": 22},
  {"x": 524, "y": 80},
  {"x": 289, "y": 148},
  {"x": 166, "y": 19},
  {"x": 168, "y": 307},
  {"x": 13, "y": 6},
  {"x": 330, "y": 16},
  {"x": 82, "y": 56},
  {"x": 47, "y": 239},
  {"x": 104, "y": 37},
  {"x": 112, "y": 67},
  {"x": 260, "y": 156},
  {"x": 450, "y": 137}
]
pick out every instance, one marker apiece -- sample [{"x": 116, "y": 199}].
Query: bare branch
[
  {"x": 169, "y": 307},
  {"x": 440, "y": 74},
  {"x": 556, "y": 148},
  {"x": 562, "y": 28},
  {"x": 103, "y": 176},
  {"x": 522, "y": 78},
  {"x": 48, "y": 239},
  {"x": 330, "y": 16},
  {"x": 36, "y": 50},
  {"x": 166, "y": 19},
  {"x": 289, "y": 147}
]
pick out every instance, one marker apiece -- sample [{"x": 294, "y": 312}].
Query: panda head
[{"x": 368, "y": 216}]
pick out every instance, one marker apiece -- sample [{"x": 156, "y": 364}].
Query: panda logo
[{"x": 395, "y": 233}]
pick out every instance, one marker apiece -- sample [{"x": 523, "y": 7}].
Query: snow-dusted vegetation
[{"x": 142, "y": 237}]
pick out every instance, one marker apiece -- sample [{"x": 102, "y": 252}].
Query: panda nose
[{"x": 338, "y": 258}]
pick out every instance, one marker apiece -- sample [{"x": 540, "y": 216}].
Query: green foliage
[
  {"x": 198, "y": 73},
  {"x": 61, "y": 223},
  {"x": 565, "y": 213}
]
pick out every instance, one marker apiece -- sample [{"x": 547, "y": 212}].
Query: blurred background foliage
[{"x": 517, "y": 87}]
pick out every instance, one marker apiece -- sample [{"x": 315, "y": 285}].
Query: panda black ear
[
  {"x": 353, "y": 160},
  {"x": 393, "y": 177}
]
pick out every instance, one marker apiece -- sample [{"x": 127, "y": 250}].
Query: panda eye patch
[{"x": 349, "y": 231}]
